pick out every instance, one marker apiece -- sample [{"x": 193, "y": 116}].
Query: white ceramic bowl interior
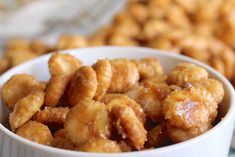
[{"x": 213, "y": 143}]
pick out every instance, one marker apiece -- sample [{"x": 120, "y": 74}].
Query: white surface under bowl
[{"x": 213, "y": 143}]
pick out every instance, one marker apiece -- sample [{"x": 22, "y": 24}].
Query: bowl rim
[{"x": 230, "y": 115}]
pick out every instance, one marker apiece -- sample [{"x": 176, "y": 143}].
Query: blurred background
[
  {"x": 201, "y": 29},
  {"x": 47, "y": 19}
]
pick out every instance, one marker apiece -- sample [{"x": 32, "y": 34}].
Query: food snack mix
[{"x": 113, "y": 105}]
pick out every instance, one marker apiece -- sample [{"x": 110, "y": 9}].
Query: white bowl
[{"x": 213, "y": 143}]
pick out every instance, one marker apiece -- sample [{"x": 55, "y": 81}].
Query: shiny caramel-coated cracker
[
  {"x": 36, "y": 132},
  {"x": 100, "y": 145},
  {"x": 104, "y": 74},
  {"x": 25, "y": 108},
  {"x": 109, "y": 97},
  {"x": 179, "y": 135},
  {"x": 88, "y": 119},
  {"x": 155, "y": 80},
  {"x": 186, "y": 73},
  {"x": 206, "y": 96},
  {"x": 63, "y": 64},
  {"x": 150, "y": 98},
  {"x": 129, "y": 125},
  {"x": 83, "y": 85},
  {"x": 149, "y": 68},
  {"x": 56, "y": 115},
  {"x": 17, "y": 87},
  {"x": 125, "y": 75},
  {"x": 215, "y": 88},
  {"x": 113, "y": 99},
  {"x": 55, "y": 89},
  {"x": 185, "y": 110}
]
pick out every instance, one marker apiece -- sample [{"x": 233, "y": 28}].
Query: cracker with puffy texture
[
  {"x": 88, "y": 119},
  {"x": 63, "y": 64},
  {"x": 55, "y": 89},
  {"x": 104, "y": 77},
  {"x": 185, "y": 110},
  {"x": 125, "y": 75},
  {"x": 215, "y": 88},
  {"x": 129, "y": 125},
  {"x": 150, "y": 97},
  {"x": 186, "y": 74},
  {"x": 124, "y": 100},
  {"x": 25, "y": 108},
  {"x": 179, "y": 135},
  {"x": 210, "y": 93},
  {"x": 149, "y": 68},
  {"x": 36, "y": 132},
  {"x": 50, "y": 115},
  {"x": 17, "y": 87},
  {"x": 82, "y": 86}
]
